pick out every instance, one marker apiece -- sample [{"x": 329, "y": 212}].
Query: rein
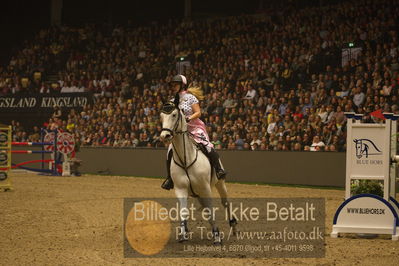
[
  {"x": 185, "y": 167},
  {"x": 174, "y": 130}
]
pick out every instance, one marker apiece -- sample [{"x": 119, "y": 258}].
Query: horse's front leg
[
  {"x": 221, "y": 187},
  {"x": 207, "y": 205},
  {"x": 183, "y": 234}
]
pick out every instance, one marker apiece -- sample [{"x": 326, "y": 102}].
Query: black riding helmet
[{"x": 180, "y": 79}]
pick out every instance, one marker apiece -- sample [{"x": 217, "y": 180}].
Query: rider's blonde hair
[{"x": 197, "y": 92}]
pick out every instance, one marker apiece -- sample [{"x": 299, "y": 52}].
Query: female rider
[{"x": 189, "y": 104}]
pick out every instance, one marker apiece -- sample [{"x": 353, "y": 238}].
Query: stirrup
[
  {"x": 221, "y": 174},
  {"x": 167, "y": 184}
]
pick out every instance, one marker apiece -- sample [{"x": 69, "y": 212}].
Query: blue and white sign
[
  {"x": 365, "y": 151},
  {"x": 371, "y": 155}
]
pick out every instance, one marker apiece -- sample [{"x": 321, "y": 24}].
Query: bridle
[{"x": 168, "y": 108}]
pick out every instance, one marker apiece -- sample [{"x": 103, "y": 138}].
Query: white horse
[{"x": 191, "y": 170}]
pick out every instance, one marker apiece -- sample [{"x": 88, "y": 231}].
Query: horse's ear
[
  {"x": 162, "y": 100},
  {"x": 177, "y": 100}
]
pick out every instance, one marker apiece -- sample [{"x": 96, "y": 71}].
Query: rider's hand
[{"x": 187, "y": 119}]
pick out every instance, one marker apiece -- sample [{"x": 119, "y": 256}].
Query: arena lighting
[
  {"x": 351, "y": 44},
  {"x": 181, "y": 58}
]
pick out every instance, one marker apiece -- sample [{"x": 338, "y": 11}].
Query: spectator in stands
[
  {"x": 251, "y": 93},
  {"x": 317, "y": 144},
  {"x": 358, "y": 96},
  {"x": 57, "y": 112},
  {"x": 274, "y": 85}
]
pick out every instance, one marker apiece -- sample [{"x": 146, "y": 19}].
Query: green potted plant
[{"x": 367, "y": 186}]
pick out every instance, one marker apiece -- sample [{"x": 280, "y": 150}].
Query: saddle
[
  {"x": 201, "y": 147},
  {"x": 198, "y": 146}
]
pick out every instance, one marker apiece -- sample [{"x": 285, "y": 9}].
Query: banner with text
[
  {"x": 240, "y": 228},
  {"x": 44, "y": 102}
]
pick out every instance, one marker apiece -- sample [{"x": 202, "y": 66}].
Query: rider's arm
[{"x": 196, "y": 111}]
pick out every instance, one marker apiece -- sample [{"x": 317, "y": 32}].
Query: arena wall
[{"x": 303, "y": 168}]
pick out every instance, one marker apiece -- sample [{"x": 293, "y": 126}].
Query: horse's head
[
  {"x": 173, "y": 120},
  {"x": 362, "y": 148},
  {"x": 358, "y": 147}
]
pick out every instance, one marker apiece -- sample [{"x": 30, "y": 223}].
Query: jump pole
[
  {"x": 42, "y": 140},
  {"x": 29, "y": 151}
]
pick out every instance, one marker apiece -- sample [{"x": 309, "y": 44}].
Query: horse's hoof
[
  {"x": 183, "y": 237},
  {"x": 233, "y": 222},
  {"x": 217, "y": 240}
]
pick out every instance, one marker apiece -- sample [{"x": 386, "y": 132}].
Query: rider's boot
[
  {"x": 215, "y": 161},
  {"x": 168, "y": 183}
]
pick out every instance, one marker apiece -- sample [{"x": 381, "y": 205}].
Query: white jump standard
[{"x": 370, "y": 154}]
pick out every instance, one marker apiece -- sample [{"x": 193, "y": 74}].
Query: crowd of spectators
[{"x": 273, "y": 81}]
